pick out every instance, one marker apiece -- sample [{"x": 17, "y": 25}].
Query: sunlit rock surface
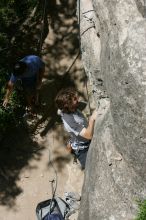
[{"x": 114, "y": 56}]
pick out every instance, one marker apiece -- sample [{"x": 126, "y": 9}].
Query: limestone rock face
[{"x": 114, "y": 56}]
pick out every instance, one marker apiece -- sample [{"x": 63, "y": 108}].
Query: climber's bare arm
[{"x": 88, "y": 132}]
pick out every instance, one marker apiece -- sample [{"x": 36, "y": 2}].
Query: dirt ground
[
  {"x": 27, "y": 155},
  {"x": 32, "y": 184}
]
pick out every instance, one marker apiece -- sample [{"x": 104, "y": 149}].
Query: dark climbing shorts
[
  {"x": 81, "y": 156},
  {"x": 28, "y": 87},
  {"x": 29, "y": 91}
]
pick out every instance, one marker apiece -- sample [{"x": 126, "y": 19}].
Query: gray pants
[{"x": 81, "y": 156}]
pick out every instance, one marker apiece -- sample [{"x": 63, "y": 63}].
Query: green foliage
[
  {"x": 6, "y": 119},
  {"x": 142, "y": 210},
  {"x": 12, "y": 14},
  {"x": 12, "y": 116}
]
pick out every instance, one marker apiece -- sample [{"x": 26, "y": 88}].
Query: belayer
[
  {"x": 75, "y": 123},
  {"x": 29, "y": 71}
]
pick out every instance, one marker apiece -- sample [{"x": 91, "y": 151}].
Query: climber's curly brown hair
[{"x": 64, "y": 99}]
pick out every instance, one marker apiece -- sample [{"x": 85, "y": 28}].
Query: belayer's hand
[{"x": 5, "y": 103}]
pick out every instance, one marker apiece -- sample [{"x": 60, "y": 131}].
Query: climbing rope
[
  {"x": 87, "y": 11},
  {"x": 69, "y": 68},
  {"x": 55, "y": 180},
  {"x": 42, "y": 27},
  {"x": 93, "y": 26},
  {"x": 74, "y": 60}
]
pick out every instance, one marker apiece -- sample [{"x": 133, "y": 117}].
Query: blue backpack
[
  {"x": 52, "y": 209},
  {"x": 53, "y": 216}
]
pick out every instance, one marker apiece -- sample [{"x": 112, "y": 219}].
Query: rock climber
[{"x": 75, "y": 123}]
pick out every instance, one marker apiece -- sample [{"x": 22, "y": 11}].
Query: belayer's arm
[{"x": 10, "y": 87}]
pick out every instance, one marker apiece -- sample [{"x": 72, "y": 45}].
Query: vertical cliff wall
[{"x": 113, "y": 43}]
